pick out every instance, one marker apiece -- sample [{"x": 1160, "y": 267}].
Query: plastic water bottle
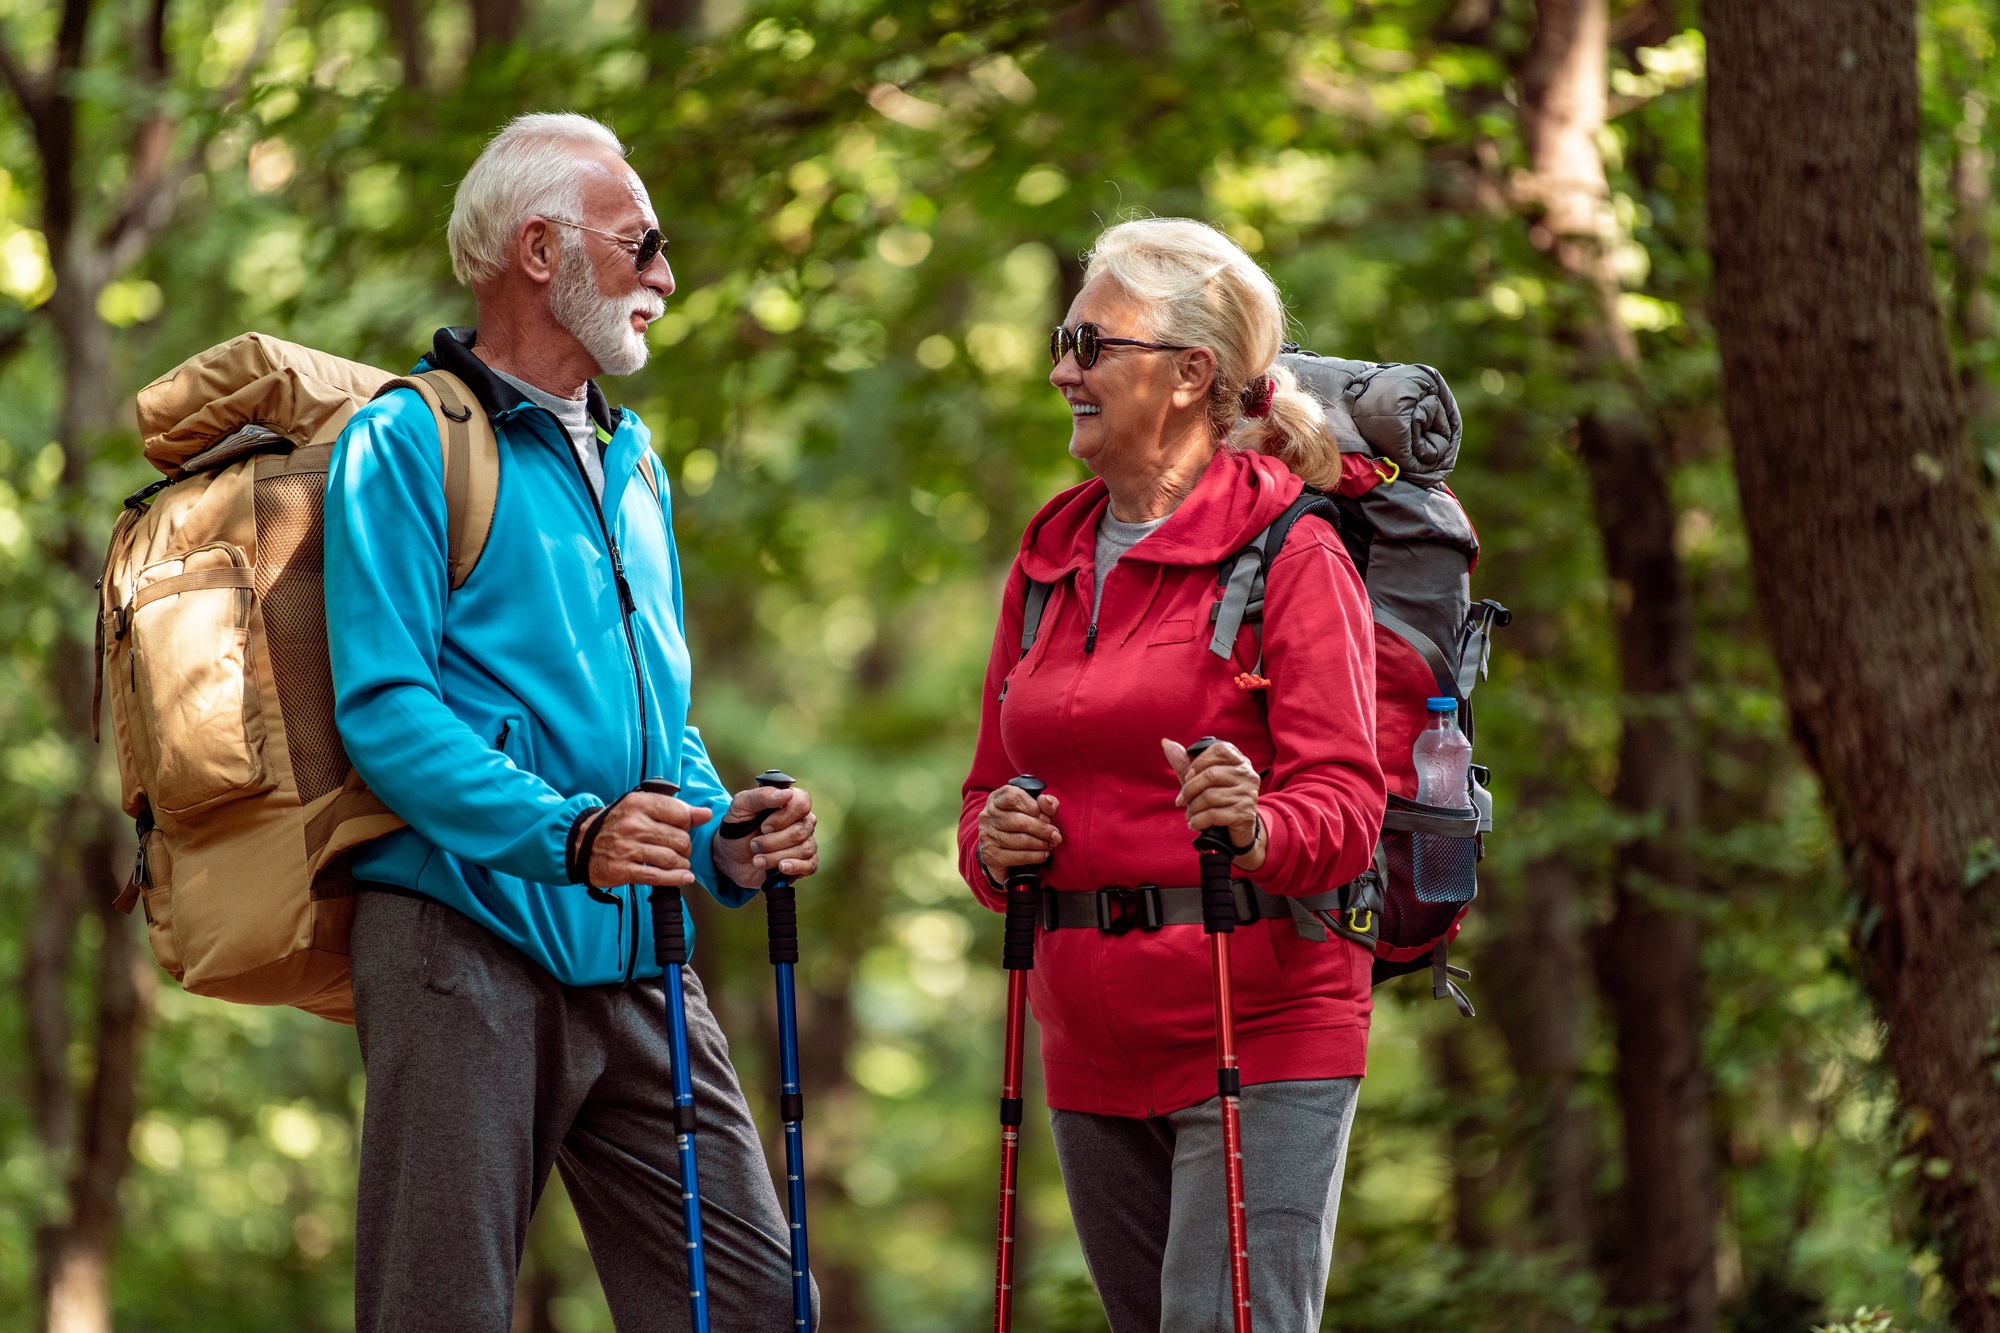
[{"x": 1443, "y": 756}]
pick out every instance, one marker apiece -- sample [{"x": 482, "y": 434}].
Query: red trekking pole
[
  {"x": 1218, "y": 918},
  {"x": 1018, "y": 957}
]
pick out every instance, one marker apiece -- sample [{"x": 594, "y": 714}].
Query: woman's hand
[
  {"x": 786, "y": 843},
  {"x": 1016, "y": 829},
  {"x": 1219, "y": 790}
]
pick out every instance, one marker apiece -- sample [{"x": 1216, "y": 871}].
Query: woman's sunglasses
[
  {"x": 1087, "y": 341},
  {"x": 646, "y": 248}
]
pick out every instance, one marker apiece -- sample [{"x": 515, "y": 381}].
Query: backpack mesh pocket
[
  {"x": 290, "y": 536},
  {"x": 1430, "y": 861}
]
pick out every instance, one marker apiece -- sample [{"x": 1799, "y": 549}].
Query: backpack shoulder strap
[
  {"x": 1241, "y": 576},
  {"x": 471, "y": 463},
  {"x": 647, "y": 471},
  {"x": 1036, "y": 602}
]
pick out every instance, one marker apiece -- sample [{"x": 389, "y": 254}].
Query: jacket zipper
[
  {"x": 1105, "y": 1005},
  {"x": 626, "y": 608}
]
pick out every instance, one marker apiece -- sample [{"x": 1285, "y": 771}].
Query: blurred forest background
[{"x": 1676, "y": 1096}]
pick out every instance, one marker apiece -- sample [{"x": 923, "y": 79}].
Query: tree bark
[
  {"x": 1872, "y": 562},
  {"x": 1649, "y": 964}
]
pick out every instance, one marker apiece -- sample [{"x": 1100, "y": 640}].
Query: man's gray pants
[
  {"x": 1151, "y": 1210},
  {"x": 484, "y": 1071}
]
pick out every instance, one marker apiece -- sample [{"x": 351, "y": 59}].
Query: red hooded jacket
[{"x": 1127, "y": 1021}]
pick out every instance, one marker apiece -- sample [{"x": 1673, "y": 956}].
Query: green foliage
[
  {"x": 877, "y": 209},
  {"x": 1864, "y": 1320}
]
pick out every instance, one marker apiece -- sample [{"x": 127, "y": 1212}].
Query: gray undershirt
[
  {"x": 1114, "y": 539},
  {"x": 574, "y": 414}
]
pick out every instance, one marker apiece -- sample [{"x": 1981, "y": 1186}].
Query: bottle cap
[{"x": 1441, "y": 704}]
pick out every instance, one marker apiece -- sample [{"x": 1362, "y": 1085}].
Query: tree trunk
[
  {"x": 495, "y": 22},
  {"x": 1540, "y": 1002},
  {"x": 1649, "y": 964},
  {"x": 406, "y": 28},
  {"x": 679, "y": 16},
  {"x": 1476, "y": 1176},
  {"x": 1873, "y": 564},
  {"x": 1649, "y": 955},
  {"x": 76, "y": 1258}
]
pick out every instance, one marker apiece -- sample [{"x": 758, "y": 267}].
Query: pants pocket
[{"x": 439, "y": 967}]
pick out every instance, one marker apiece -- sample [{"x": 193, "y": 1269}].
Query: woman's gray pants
[
  {"x": 1150, "y": 1207},
  {"x": 483, "y": 1072}
]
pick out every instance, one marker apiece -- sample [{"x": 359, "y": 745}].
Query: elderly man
[{"x": 510, "y": 1012}]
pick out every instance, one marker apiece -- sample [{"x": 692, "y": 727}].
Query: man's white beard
[{"x": 603, "y": 324}]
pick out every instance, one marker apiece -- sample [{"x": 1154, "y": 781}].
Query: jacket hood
[{"x": 1237, "y": 497}]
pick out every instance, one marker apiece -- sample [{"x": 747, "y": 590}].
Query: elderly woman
[{"x": 1197, "y": 440}]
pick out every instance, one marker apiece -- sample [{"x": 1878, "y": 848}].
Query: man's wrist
[{"x": 582, "y": 841}]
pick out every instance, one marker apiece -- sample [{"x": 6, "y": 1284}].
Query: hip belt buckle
[{"x": 1121, "y": 909}]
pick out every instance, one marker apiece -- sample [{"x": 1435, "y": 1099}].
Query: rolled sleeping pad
[{"x": 1404, "y": 413}]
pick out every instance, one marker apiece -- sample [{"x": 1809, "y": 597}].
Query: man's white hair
[{"x": 531, "y": 168}]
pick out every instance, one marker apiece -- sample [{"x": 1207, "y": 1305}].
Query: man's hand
[
  {"x": 1016, "y": 829},
  {"x": 644, "y": 839},
  {"x": 1219, "y": 790},
  {"x": 786, "y": 842}
]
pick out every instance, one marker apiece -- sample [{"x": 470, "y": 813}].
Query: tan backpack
[{"x": 212, "y": 647}]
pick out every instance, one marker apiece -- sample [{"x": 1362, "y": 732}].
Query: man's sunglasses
[
  {"x": 1087, "y": 341},
  {"x": 645, "y": 249}
]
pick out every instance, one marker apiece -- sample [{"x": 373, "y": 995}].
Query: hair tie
[{"x": 1257, "y": 395}]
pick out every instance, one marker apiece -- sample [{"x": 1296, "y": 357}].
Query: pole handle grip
[
  {"x": 1218, "y": 899},
  {"x": 1024, "y": 885},
  {"x": 670, "y": 947},
  {"x": 781, "y": 908}
]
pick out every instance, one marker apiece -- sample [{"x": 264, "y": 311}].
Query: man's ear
[
  {"x": 537, "y": 248},
  {"x": 1194, "y": 372}
]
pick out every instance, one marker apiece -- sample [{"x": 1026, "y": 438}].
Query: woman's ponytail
[{"x": 1292, "y": 429}]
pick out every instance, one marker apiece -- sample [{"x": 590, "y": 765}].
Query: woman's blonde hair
[{"x": 1206, "y": 292}]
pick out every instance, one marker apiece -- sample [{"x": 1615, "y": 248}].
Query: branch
[{"x": 156, "y": 185}]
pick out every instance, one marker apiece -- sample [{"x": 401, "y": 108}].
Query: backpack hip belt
[{"x": 1119, "y": 910}]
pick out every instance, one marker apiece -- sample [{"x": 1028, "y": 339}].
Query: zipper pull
[
  {"x": 1090, "y": 638},
  {"x": 618, "y": 573}
]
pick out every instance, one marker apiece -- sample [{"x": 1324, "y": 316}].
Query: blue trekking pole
[
  {"x": 781, "y": 903},
  {"x": 671, "y": 952}
]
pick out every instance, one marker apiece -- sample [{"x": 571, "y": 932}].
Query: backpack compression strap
[{"x": 471, "y": 464}]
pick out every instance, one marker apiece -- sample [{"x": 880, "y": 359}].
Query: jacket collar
[
  {"x": 1238, "y": 496},
  {"x": 451, "y": 349}
]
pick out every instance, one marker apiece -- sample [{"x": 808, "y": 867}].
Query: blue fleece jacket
[{"x": 492, "y": 715}]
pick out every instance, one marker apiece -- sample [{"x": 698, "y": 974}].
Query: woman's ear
[{"x": 1194, "y": 373}]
